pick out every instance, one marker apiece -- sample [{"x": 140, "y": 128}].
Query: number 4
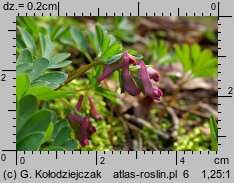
[{"x": 182, "y": 160}]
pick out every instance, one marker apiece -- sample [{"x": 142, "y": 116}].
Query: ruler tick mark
[{"x": 138, "y": 8}]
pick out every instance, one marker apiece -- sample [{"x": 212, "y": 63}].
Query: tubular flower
[
  {"x": 79, "y": 103},
  {"x": 109, "y": 69},
  {"x": 127, "y": 80},
  {"x": 153, "y": 74},
  {"x": 93, "y": 110},
  {"x": 86, "y": 129},
  {"x": 141, "y": 82},
  {"x": 149, "y": 88}
]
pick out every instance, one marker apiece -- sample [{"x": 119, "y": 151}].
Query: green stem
[
  {"x": 73, "y": 109},
  {"x": 79, "y": 72},
  {"x": 88, "y": 57}
]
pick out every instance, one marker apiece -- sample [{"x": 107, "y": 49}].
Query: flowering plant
[{"x": 81, "y": 85}]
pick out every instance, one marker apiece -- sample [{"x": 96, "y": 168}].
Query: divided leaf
[
  {"x": 100, "y": 35},
  {"x": 28, "y": 40},
  {"x": 201, "y": 63},
  {"x": 28, "y": 105},
  {"x": 58, "y": 126},
  {"x": 79, "y": 39},
  {"x": 58, "y": 61},
  {"x": 23, "y": 67},
  {"x": 22, "y": 85},
  {"x": 70, "y": 145},
  {"x": 25, "y": 57},
  {"x": 51, "y": 79},
  {"x": 39, "y": 67},
  {"x": 113, "y": 50},
  {"x": 45, "y": 93},
  {"x": 62, "y": 136},
  {"x": 59, "y": 58},
  {"x": 38, "y": 122},
  {"x": 30, "y": 142},
  {"x": 47, "y": 48}
]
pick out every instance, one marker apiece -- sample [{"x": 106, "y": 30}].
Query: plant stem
[
  {"x": 88, "y": 57},
  {"x": 79, "y": 72}
]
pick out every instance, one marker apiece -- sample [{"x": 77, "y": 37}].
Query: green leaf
[
  {"x": 210, "y": 35},
  {"x": 54, "y": 77},
  {"x": 20, "y": 45},
  {"x": 45, "y": 93},
  {"x": 214, "y": 134},
  {"x": 23, "y": 67},
  {"x": 112, "y": 59},
  {"x": 28, "y": 40},
  {"x": 56, "y": 95},
  {"x": 47, "y": 48},
  {"x": 59, "y": 58},
  {"x": 105, "y": 44},
  {"x": 58, "y": 126},
  {"x": 100, "y": 35},
  {"x": 135, "y": 54},
  {"x": 68, "y": 41},
  {"x": 79, "y": 39},
  {"x": 38, "y": 122},
  {"x": 70, "y": 145},
  {"x": 60, "y": 65},
  {"x": 58, "y": 32},
  {"x": 39, "y": 67},
  {"x": 39, "y": 90},
  {"x": 25, "y": 57},
  {"x": 30, "y": 142},
  {"x": 183, "y": 55},
  {"x": 93, "y": 41},
  {"x": 195, "y": 52},
  {"x": 28, "y": 105},
  {"x": 109, "y": 94},
  {"x": 22, "y": 85},
  {"x": 51, "y": 79},
  {"x": 132, "y": 52},
  {"x": 48, "y": 133},
  {"x": 30, "y": 23},
  {"x": 112, "y": 51},
  {"x": 62, "y": 136},
  {"x": 55, "y": 149}
]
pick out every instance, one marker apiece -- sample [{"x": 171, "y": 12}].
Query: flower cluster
[
  {"x": 137, "y": 81},
  {"x": 86, "y": 128}
]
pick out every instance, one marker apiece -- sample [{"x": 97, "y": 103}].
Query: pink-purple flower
[
  {"x": 109, "y": 69},
  {"x": 86, "y": 129},
  {"x": 149, "y": 88},
  {"x": 134, "y": 83},
  {"x": 128, "y": 82},
  {"x": 93, "y": 110}
]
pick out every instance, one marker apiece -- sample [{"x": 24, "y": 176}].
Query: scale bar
[
  {"x": 8, "y": 150},
  {"x": 223, "y": 16},
  {"x": 8, "y": 70}
]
